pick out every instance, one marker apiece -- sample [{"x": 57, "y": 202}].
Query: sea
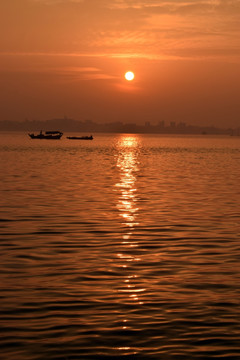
[{"x": 123, "y": 247}]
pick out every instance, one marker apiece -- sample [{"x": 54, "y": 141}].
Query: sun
[{"x": 129, "y": 75}]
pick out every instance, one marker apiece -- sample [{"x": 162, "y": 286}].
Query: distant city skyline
[{"x": 72, "y": 125}]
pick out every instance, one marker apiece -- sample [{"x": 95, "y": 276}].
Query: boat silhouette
[
  {"x": 49, "y": 135},
  {"x": 80, "y": 137}
]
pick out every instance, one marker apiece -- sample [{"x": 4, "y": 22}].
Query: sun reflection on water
[
  {"x": 127, "y": 205},
  {"x": 128, "y": 166}
]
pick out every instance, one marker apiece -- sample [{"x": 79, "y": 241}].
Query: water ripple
[{"x": 125, "y": 248}]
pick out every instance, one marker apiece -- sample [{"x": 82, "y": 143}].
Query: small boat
[
  {"x": 80, "y": 137},
  {"x": 49, "y": 135}
]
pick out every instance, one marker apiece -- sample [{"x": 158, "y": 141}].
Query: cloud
[
  {"x": 167, "y": 6},
  {"x": 170, "y": 6},
  {"x": 53, "y": 2},
  {"x": 148, "y": 28},
  {"x": 29, "y": 63},
  {"x": 76, "y": 73}
]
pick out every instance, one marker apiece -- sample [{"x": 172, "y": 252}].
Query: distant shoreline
[{"x": 88, "y": 126}]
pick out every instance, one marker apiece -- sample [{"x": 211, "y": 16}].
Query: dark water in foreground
[{"x": 124, "y": 247}]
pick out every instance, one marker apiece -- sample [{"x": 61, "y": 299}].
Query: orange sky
[{"x": 68, "y": 58}]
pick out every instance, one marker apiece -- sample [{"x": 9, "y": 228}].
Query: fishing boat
[
  {"x": 49, "y": 135},
  {"x": 80, "y": 137}
]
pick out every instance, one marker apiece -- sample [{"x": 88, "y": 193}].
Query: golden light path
[
  {"x": 127, "y": 163},
  {"x": 131, "y": 286}
]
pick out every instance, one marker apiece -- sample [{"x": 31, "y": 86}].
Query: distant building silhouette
[{"x": 71, "y": 125}]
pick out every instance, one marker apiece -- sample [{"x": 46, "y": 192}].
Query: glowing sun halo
[{"x": 129, "y": 76}]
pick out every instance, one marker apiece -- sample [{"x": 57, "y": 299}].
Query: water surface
[{"x": 124, "y": 247}]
